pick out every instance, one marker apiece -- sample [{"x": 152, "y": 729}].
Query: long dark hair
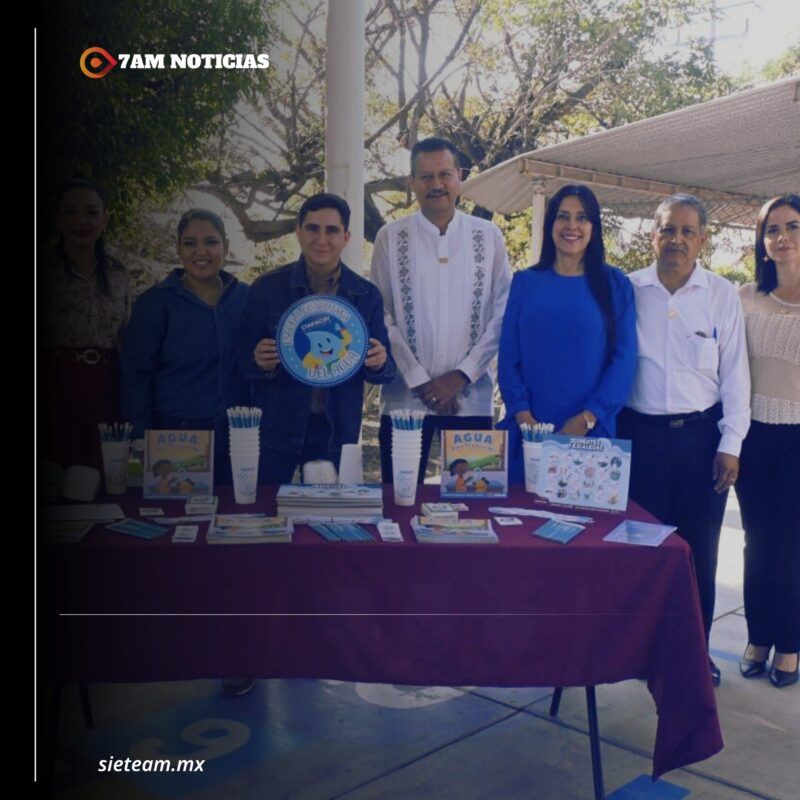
[
  {"x": 102, "y": 258},
  {"x": 594, "y": 261},
  {"x": 766, "y": 271}
]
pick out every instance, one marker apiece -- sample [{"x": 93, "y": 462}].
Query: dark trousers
[
  {"x": 769, "y": 499},
  {"x": 278, "y": 466},
  {"x": 671, "y": 476},
  {"x": 431, "y": 424}
]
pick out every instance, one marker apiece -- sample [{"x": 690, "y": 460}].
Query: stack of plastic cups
[
  {"x": 115, "y": 466},
  {"x": 406, "y": 454},
  {"x": 244, "y": 450},
  {"x": 532, "y": 456},
  {"x": 351, "y": 464}
]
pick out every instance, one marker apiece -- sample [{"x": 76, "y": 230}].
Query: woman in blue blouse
[
  {"x": 568, "y": 346},
  {"x": 178, "y": 364}
]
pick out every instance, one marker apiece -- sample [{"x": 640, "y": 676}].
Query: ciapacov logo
[{"x": 96, "y": 62}]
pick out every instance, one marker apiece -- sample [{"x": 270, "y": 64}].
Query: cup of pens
[
  {"x": 244, "y": 448},
  {"x": 532, "y": 436},
  {"x": 406, "y": 453},
  {"x": 115, "y": 444}
]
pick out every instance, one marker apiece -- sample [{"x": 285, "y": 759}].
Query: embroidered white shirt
[
  {"x": 444, "y": 297},
  {"x": 692, "y": 351}
]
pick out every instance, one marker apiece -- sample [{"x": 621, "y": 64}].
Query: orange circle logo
[{"x": 96, "y": 62}]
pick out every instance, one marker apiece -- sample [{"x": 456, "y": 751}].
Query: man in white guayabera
[{"x": 444, "y": 277}]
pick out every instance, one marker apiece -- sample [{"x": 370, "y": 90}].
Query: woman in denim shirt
[{"x": 178, "y": 357}]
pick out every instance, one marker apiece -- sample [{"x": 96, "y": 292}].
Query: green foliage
[
  {"x": 736, "y": 274},
  {"x": 141, "y": 133},
  {"x": 785, "y": 65},
  {"x": 628, "y": 249}
]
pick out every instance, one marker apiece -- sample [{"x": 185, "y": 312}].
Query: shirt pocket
[{"x": 705, "y": 355}]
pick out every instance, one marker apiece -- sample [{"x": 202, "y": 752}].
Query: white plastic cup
[
  {"x": 408, "y": 447},
  {"x": 532, "y": 456},
  {"x": 351, "y": 466},
  {"x": 80, "y": 483},
  {"x": 405, "y": 471},
  {"x": 115, "y": 466},
  {"x": 407, "y": 437},
  {"x": 244, "y": 449},
  {"x": 244, "y": 467},
  {"x": 243, "y": 435}
]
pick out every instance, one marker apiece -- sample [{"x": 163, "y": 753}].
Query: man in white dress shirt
[
  {"x": 690, "y": 406},
  {"x": 444, "y": 277}
]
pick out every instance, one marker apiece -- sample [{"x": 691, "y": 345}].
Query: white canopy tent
[{"x": 734, "y": 153}]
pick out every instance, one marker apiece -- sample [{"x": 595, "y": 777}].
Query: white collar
[
  {"x": 452, "y": 226},
  {"x": 698, "y": 277}
]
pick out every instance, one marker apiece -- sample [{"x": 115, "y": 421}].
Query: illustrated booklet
[
  {"x": 178, "y": 464},
  {"x": 474, "y": 464}
]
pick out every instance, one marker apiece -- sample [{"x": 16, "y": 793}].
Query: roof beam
[{"x": 544, "y": 169}]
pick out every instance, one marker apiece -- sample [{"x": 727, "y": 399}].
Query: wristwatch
[{"x": 590, "y": 423}]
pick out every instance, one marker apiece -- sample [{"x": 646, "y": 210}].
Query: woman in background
[
  {"x": 769, "y": 477},
  {"x": 84, "y": 310},
  {"x": 568, "y": 345}
]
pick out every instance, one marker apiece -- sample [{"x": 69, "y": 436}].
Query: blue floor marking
[
  {"x": 278, "y": 717},
  {"x": 246, "y": 737},
  {"x": 725, "y": 656},
  {"x": 643, "y": 788}
]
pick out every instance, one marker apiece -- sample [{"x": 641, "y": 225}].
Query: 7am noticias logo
[{"x": 97, "y": 62}]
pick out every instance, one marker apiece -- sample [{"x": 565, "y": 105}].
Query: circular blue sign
[{"x": 322, "y": 340}]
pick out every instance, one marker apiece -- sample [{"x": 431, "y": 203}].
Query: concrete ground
[{"x": 325, "y": 740}]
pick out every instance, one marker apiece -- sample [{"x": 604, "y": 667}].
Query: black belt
[
  {"x": 88, "y": 355},
  {"x": 712, "y": 414}
]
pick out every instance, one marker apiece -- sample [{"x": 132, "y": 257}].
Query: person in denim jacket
[
  {"x": 179, "y": 353},
  {"x": 302, "y": 423}
]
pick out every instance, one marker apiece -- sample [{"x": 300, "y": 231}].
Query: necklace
[{"x": 787, "y": 302}]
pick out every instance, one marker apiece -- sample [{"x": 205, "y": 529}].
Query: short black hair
[
  {"x": 681, "y": 199},
  {"x": 325, "y": 200},
  {"x": 455, "y": 463},
  {"x": 433, "y": 144}
]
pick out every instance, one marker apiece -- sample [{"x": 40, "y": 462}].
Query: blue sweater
[
  {"x": 178, "y": 356},
  {"x": 552, "y": 357}
]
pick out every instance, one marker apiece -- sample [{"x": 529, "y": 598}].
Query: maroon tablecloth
[{"x": 526, "y": 612}]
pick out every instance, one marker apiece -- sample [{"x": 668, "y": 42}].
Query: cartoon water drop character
[
  {"x": 481, "y": 483},
  {"x": 326, "y": 347}
]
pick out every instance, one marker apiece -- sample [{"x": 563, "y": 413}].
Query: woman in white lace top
[{"x": 769, "y": 480}]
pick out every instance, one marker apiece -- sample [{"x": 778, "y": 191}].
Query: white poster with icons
[{"x": 585, "y": 471}]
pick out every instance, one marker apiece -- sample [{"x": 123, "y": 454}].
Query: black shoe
[
  {"x": 750, "y": 668},
  {"x": 716, "y": 675},
  {"x": 236, "y": 687},
  {"x": 781, "y": 678}
]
